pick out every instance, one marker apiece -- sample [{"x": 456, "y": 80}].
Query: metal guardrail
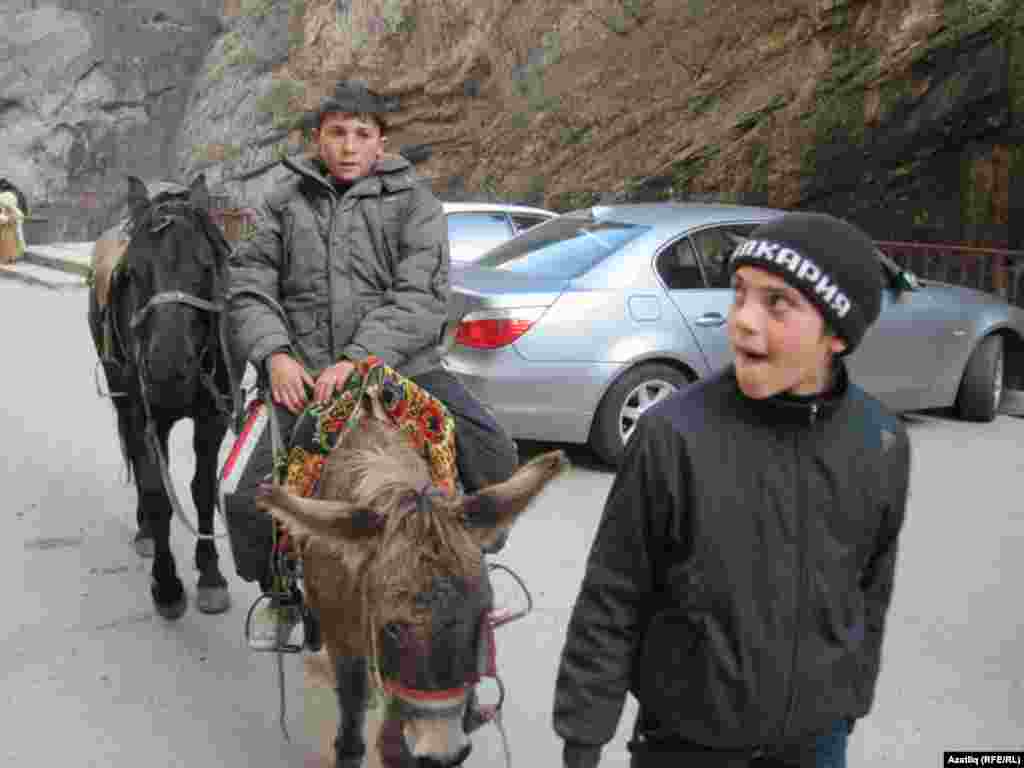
[{"x": 993, "y": 270}]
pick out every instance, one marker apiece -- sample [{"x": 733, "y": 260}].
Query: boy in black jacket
[{"x": 739, "y": 579}]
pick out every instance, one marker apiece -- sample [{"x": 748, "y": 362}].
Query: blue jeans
[{"x": 827, "y": 750}]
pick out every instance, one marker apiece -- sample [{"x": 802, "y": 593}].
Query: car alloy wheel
[
  {"x": 626, "y": 400},
  {"x": 639, "y": 400}
]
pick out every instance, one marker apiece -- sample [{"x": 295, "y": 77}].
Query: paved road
[{"x": 92, "y": 678}]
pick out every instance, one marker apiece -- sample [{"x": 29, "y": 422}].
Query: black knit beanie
[{"x": 833, "y": 263}]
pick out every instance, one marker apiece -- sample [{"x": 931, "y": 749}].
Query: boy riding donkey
[
  {"x": 741, "y": 574},
  {"x": 349, "y": 262}
]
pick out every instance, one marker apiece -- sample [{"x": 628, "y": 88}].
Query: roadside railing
[{"x": 994, "y": 270}]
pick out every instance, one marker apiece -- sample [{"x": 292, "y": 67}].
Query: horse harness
[{"x": 118, "y": 356}]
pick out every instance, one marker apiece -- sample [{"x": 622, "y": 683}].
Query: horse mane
[{"x": 147, "y": 215}]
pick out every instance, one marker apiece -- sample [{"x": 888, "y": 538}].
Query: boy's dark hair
[{"x": 354, "y": 98}]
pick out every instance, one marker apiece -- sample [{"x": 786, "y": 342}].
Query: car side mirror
[{"x": 907, "y": 281}]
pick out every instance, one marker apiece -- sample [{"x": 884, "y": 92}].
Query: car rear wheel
[
  {"x": 981, "y": 388},
  {"x": 624, "y": 403}
]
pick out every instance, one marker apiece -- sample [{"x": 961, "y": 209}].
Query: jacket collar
[
  {"x": 391, "y": 173},
  {"x": 795, "y": 410}
]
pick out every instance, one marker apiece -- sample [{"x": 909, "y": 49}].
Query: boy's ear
[{"x": 836, "y": 344}]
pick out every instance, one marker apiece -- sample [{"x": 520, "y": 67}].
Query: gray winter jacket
[{"x": 331, "y": 277}]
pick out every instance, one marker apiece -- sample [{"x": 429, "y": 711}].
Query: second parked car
[{"x": 475, "y": 228}]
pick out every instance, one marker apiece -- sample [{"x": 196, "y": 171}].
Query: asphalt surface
[{"x": 93, "y": 678}]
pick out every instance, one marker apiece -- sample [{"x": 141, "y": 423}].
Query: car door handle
[{"x": 710, "y": 320}]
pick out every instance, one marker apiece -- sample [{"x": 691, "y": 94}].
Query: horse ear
[
  {"x": 318, "y": 518},
  {"x": 198, "y": 193},
  {"x": 489, "y": 513},
  {"x": 137, "y": 194},
  {"x": 136, "y": 187}
]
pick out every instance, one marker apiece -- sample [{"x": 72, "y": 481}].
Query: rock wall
[
  {"x": 93, "y": 90},
  {"x": 905, "y": 115}
]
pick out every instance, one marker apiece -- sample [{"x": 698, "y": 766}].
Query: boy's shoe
[{"x": 272, "y": 625}]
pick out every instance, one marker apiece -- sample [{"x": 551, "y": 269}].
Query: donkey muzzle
[
  {"x": 437, "y": 742},
  {"x": 430, "y": 762}
]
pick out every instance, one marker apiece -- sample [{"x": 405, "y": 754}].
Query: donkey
[
  {"x": 154, "y": 319},
  {"x": 395, "y": 570}
]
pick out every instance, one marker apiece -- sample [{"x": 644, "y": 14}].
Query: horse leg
[
  {"x": 212, "y": 594},
  {"x": 353, "y": 696},
  {"x": 130, "y": 429},
  {"x": 166, "y": 588},
  {"x": 143, "y": 541}
]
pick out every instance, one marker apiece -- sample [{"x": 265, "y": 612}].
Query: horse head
[
  {"x": 395, "y": 568},
  {"x": 167, "y": 289}
]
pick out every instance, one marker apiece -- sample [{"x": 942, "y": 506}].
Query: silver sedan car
[{"x": 571, "y": 330}]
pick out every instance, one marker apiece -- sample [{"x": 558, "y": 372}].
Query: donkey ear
[
  {"x": 198, "y": 193},
  {"x": 317, "y": 518},
  {"x": 488, "y": 514}
]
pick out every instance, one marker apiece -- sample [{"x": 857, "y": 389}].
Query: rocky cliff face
[
  {"x": 906, "y": 115},
  {"x": 91, "y": 90}
]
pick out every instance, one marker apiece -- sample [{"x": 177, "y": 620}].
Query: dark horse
[{"x": 154, "y": 314}]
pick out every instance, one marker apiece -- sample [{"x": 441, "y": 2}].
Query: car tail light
[{"x": 492, "y": 330}]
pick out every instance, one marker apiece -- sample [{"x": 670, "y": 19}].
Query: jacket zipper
[
  {"x": 801, "y": 587},
  {"x": 335, "y": 205}
]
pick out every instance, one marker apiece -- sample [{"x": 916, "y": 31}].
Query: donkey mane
[{"x": 423, "y": 533}]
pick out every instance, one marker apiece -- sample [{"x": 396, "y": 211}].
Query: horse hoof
[
  {"x": 172, "y": 609},
  {"x": 144, "y": 545},
  {"x": 213, "y": 599}
]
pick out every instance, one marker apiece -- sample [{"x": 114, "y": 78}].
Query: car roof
[
  {"x": 682, "y": 215},
  {"x": 496, "y": 207}
]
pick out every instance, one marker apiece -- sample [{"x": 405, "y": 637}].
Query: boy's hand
[
  {"x": 288, "y": 382},
  {"x": 331, "y": 380}
]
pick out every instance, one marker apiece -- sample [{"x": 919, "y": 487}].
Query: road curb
[
  {"x": 13, "y": 272},
  {"x": 6, "y": 273},
  {"x": 53, "y": 262}
]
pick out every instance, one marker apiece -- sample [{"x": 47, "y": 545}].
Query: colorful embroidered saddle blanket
[
  {"x": 372, "y": 389},
  {"x": 418, "y": 415}
]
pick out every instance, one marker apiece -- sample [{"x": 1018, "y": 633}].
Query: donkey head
[
  {"x": 409, "y": 577},
  {"x": 174, "y": 247}
]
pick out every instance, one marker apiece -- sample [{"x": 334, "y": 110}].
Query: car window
[
  {"x": 563, "y": 248},
  {"x": 479, "y": 232},
  {"x": 714, "y": 247},
  {"x": 524, "y": 221},
  {"x": 677, "y": 266}
]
